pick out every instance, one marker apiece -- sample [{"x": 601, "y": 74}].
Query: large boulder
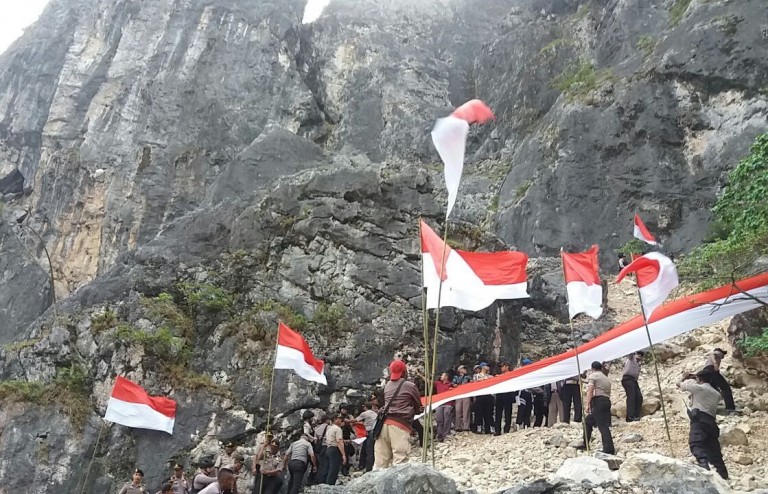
[
  {"x": 585, "y": 468},
  {"x": 664, "y": 475},
  {"x": 411, "y": 478},
  {"x": 733, "y": 436}
]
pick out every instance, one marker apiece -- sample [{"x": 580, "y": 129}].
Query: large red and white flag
[
  {"x": 656, "y": 278},
  {"x": 450, "y": 139},
  {"x": 641, "y": 232},
  {"x": 471, "y": 280},
  {"x": 294, "y": 353},
  {"x": 583, "y": 284},
  {"x": 131, "y": 406},
  {"x": 670, "y": 320}
]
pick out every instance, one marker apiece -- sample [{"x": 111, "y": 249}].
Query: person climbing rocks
[
  {"x": 631, "y": 386},
  {"x": 402, "y": 402},
  {"x": 463, "y": 405},
  {"x": 297, "y": 459},
  {"x": 504, "y": 402},
  {"x": 204, "y": 477},
  {"x": 599, "y": 408},
  {"x": 135, "y": 486},
  {"x": 444, "y": 413},
  {"x": 704, "y": 435},
  {"x": 718, "y": 381},
  {"x": 368, "y": 418},
  {"x": 483, "y": 403},
  {"x": 225, "y": 483}
]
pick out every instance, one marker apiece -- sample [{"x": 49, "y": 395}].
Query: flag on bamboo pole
[
  {"x": 450, "y": 139},
  {"x": 583, "y": 284},
  {"x": 471, "y": 280},
  {"x": 130, "y": 405},
  {"x": 294, "y": 353},
  {"x": 656, "y": 278},
  {"x": 641, "y": 232}
]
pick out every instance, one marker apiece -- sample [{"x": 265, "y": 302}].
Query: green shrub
[
  {"x": 579, "y": 79},
  {"x": 206, "y": 296},
  {"x": 754, "y": 346},
  {"x": 634, "y": 246},
  {"x": 646, "y": 44},
  {"x": 164, "y": 310},
  {"x": 162, "y": 343},
  {"x": 522, "y": 189},
  {"x": 677, "y": 11},
  {"x": 103, "y": 321},
  {"x": 740, "y": 228}
]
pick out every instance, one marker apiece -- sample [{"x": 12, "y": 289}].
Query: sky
[
  {"x": 314, "y": 9},
  {"x": 18, "y": 14},
  {"x": 15, "y": 15}
]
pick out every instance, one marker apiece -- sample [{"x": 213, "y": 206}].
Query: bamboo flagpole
[
  {"x": 269, "y": 414},
  {"x": 578, "y": 364},
  {"x": 427, "y": 437},
  {"x": 658, "y": 378},
  {"x": 425, "y": 327}
]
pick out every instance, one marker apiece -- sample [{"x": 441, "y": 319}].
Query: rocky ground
[{"x": 492, "y": 464}]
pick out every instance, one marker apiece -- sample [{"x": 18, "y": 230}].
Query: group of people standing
[{"x": 380, "y": 435}]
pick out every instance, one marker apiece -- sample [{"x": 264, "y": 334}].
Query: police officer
[
  {"x": 135, "y": 486},
  {"x": 226, "y": 458},
  {"x": 632, "y": 388},
  {"x": 599, "y": 408},
  {"x": 704, "y": 434},
  {"x": 571, "y": 395},
  {"x": 712, "y": 366},
  {"x": 179, "y": 482},
  {"x": 504, "y": 403}
]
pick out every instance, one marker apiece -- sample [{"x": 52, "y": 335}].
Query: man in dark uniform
[
  {"x": 504, "y": 403},
  {"x": 599, "y": 408},
  {"x": 539, "y": 406},
  {"x": 571, "y": 394},
  {"x": 135, "y": 486},
  {"x": 704, "y": 435},
  {"x": 632, "y": 388},
  {"x": 712, "y": 365}
]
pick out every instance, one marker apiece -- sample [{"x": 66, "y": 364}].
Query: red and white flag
[
  {"x": 670, "y": 320},
  {"x": 450, "y": 139},
  {"x": 131, "y": 406},
  {"x": 641, "y": 231},
  {"x": 583, "y": 284},
  {"x": 471, "y": 280},
  {"x": 294, "y": 353},
  {"x": 656, "y": 278}
]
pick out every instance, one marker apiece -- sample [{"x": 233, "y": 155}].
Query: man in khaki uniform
[
  {"x": 226, "y": 458},
  {"x": 599, "y": 408},
  {"x": 394, "y": 443},
  {"x": 179, "y": 482},
  {"x": 135, "y": 487}
]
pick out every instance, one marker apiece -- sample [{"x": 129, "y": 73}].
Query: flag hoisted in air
[{"x": 471, "y": 280}]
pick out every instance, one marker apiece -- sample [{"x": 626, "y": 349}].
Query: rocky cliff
[{"x": 200, "y": 168}]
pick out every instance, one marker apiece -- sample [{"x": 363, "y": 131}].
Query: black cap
[
  {"x": 720, "y": 350},
  {"x": 139, "y": 471},
  {"x": 178, "y": 466},
  {"x": 308, "y": 414},
  {"x": 597, "y": 365},
  {"x": 166, "y": 488},
  {"x": 230, "y": 445},
  {"x": 206, "y": 464},
  {"x": 275, "y": 442}
]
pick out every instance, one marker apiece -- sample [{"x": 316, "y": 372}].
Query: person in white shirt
[{"x": 225, "y": 483}]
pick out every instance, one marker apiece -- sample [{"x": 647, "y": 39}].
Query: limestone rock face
[{"x": 201, "y": 169}]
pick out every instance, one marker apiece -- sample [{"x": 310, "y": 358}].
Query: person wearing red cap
[{"x": 401, "y": 402}]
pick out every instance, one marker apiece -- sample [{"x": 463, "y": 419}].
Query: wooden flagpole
[
  {"x": 578, "y": 364},
  {"x": 658, "y": 379},
  {"x": 434, "y": 342},
  {"x": 269, "y": 415},
  {"x": 425, "y": 327}
]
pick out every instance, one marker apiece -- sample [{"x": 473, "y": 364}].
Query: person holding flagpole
[{"x": 401, "y": 402}]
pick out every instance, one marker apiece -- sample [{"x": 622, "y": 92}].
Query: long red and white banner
[{"x": 670, "y": 320}]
